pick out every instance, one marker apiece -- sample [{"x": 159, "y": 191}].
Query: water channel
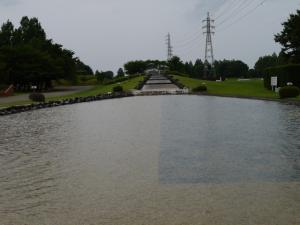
[{"x": 162, "y": 160}]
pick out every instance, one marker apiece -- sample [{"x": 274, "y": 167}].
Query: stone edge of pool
[{"x": 25, "y": 108}]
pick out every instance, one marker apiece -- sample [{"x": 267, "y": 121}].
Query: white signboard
[{"x": 274, "y": 81}]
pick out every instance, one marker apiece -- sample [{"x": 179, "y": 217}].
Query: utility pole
[
  {"x": 209, "y": 51},
  {"x": 170, "y": 48}
]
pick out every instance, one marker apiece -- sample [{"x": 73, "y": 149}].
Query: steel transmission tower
[
  {"x": 170, "y": 48},
  {"x": 209, "y": 51}
]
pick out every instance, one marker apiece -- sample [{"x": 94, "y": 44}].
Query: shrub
[
  {"x": 285, "y": 74},
  {"x": 117, "y": 89},
  {"x": 37, "y": 97},
  {"x": 201, "y": 88},
  {"x": 289, "y": 92}
]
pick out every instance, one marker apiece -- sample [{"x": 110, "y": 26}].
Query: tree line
[
  {"x": 223, "y": 68},
  {"x": 28, "y": 58}
]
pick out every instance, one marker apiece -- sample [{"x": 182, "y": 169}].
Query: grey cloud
[{"x": 9, "y": 2}]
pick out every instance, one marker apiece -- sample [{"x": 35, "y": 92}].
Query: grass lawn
[
  {"x": 232, "y": 87},
  {"x": 99, "y": 89},
  {"x": 102, "y": 89}
]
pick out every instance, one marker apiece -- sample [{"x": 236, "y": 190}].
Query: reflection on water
[
  {"x": 152, "y": 160},
  {"x": 229, "y": 141}
]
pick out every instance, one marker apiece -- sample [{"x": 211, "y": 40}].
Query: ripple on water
[{"x": 164, "y": 159}]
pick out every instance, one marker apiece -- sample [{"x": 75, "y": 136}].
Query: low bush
[
  {"x": 117, "y": 89},
  {"x": 37, "y": 97},
  {"x": 289, "y": 92},
  {"x": 201, "y": 88}
]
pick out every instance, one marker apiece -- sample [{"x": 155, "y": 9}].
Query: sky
[{"x": 105, "y": 34}]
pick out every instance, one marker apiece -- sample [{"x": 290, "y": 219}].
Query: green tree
[
  {"x": 252, "y": 74},
  {"x": 98, "y": 76},
  {"x": 175, "y": 64},
  {"x": 26, "y": 66},
  {"x": 82, "y": 68},
  {"x": 104, "y": 76},
  {"x": 139, "y": 66},
  {"x": 231, "y": 68},
  {"x": 189, "y": 68},
  {"x": 289, "y": 38},
  {"x": 198, "y": 69},
  {"x": 31, "y": 30},
  {"x": 6, "y": 34},
  {"x": 120, "y": 73},
  {"x": 28, "y": 58},
  {"x": 265, "y": 62},
  {"x": 135, "y": 67}
]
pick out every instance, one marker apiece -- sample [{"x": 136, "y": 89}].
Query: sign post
[{"x": 274, "y": 83}]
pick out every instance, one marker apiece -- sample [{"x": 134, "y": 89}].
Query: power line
[
  {"x": 244, "y": 16},
  {"x": 189, "y": 42},
  {"x": 240, "y": 7},
  {"x": 188, "y": 36},
  {"x": 216, "y": 9},
  {"x": 237, "y": 10},
  {"x": 195, "y": 35},
  {"x": 195, "y": 46},
  {"x": 227, "y": 5}
]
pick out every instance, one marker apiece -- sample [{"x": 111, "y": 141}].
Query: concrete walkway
[
  {"x": 58, "y": 91},
  {"x": 158, "y": 82}
]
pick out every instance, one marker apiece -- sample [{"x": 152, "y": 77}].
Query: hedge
[
  {"x": 285, "y": 74},
  {"x": 201, "y": 88},
  {"x": 289, "y": 92}
]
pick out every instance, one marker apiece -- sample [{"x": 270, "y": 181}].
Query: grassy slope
[
  {"x": 99, "y": 89},
  {"x": 232, "y": 87}
]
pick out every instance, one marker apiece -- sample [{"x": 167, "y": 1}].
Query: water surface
[{"x": 152, "y": 160}]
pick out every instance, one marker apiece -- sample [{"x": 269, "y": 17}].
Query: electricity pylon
[
  {"x": 209, "y": 67},
  {"x": 169, "y": 47}
]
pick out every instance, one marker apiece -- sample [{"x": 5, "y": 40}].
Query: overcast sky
[{"x": 107, "y": 33}]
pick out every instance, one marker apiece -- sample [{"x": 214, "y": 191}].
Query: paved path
[
  {"x": 158, "y": 82},
  {"x": 59, "y": 91}
]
